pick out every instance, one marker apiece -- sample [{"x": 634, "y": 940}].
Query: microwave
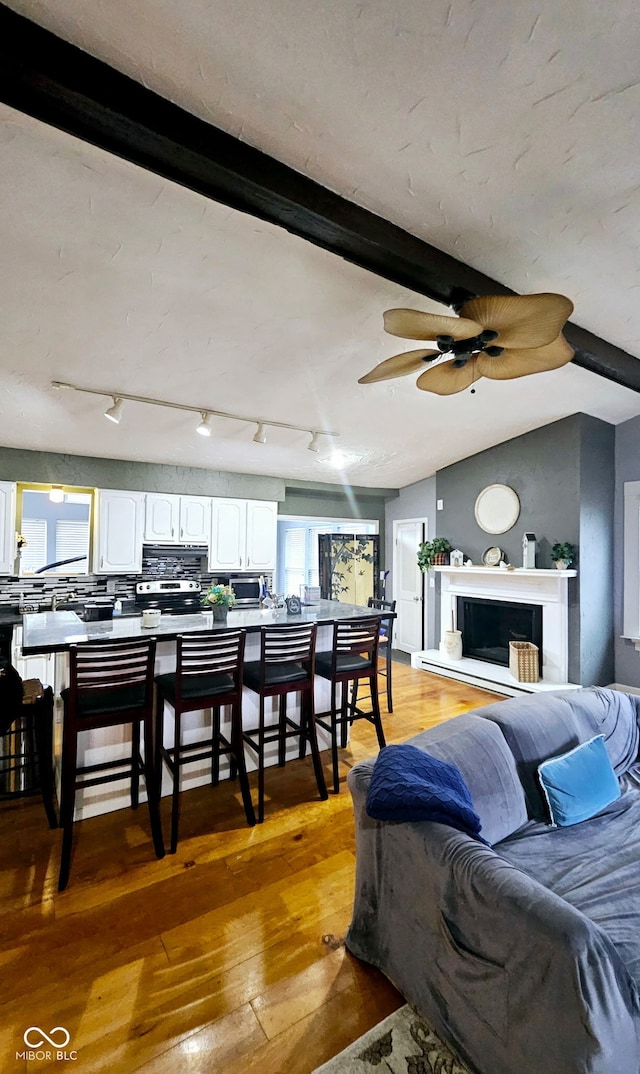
[{"x": 247, "y": 591}]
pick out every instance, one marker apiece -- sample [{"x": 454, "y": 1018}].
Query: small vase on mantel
[{"x": 220, "y": 612}]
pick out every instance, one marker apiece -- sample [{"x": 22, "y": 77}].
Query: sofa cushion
[
  {"x": 478, "y": 749},
  {"x": 408, "y": 784},
  {"x": 580, "y": 783},
  {"x": 545, "y": 725}
]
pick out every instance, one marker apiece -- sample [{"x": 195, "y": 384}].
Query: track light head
[
  {"x": 314, "y": 443},
  {"x": 261, "y": 434},
  {"x": 56, "y": 494},
  {"x": 204, "y": 428},
  {"x": 114, "y": 413}
]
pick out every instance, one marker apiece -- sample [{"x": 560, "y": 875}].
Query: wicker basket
[{"x": 524, "y": 661}]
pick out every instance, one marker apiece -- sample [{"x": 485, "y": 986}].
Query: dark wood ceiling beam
[{"x": 59, "y": 84}]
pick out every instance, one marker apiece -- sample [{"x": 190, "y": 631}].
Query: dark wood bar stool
[
  {"x": 26, "y": 743},
  {"x": 286, "y": 665},
  {"x": 208, "y": 675},
  {"x": 384, "y": 650},
  {"x": 110, "y": 685},
  {"x": 354, "y": 656}
]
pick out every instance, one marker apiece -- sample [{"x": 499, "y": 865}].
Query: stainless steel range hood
[{"x": 175, "y": 551}]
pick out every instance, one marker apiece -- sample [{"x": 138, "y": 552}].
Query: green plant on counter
[
  {"x": 564, "y": 552},
  {"x": 431, "y": 552},
  {"x": 222, "y": 596}
]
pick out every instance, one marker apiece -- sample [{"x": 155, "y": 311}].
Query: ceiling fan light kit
[{"x": 500, "y": 337}]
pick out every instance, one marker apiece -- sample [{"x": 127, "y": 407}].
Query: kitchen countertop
[{"x": 51, "y": 632}]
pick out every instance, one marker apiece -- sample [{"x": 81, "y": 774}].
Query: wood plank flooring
[{"x": 214, "y": 959}]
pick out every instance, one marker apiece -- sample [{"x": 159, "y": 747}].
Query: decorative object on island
[
  {"x": 497, "y": 509},
  {"x": 524, "y": 661},
  {"x": 497, "y": 336},
  {"x": 456, "y": 558},
  {"x": 433, "y": 553},
  {"x": 563, "y": 554},
  {"x": 218, "y": 599},
  {"x": 294, "y": 605},
  {"x": 529, "y": 551}
]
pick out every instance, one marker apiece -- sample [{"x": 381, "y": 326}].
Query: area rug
[{"x": 402, "y": 1044}]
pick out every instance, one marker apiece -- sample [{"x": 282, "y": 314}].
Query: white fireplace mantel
[{"x": 546, "y": 588}]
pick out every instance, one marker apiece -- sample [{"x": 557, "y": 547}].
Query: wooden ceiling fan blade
[
  {"x": 398, "y": 366},
  {"x": 413, "y": 324},
  {"x": 520, "y": 363},
  {"x": 447, "y": 379},
  {"x": 521, "y": 320}
]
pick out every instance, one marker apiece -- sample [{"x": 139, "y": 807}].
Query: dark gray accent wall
[
  {"x": 414, "y": 501},
  {"x": 627, "y": 659},
  {"x": 563, "y": 475}
]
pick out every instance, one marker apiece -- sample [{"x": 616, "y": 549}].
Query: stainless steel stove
[{"x": 173, "y": 596}]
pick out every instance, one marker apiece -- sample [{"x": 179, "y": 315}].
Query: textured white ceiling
[{"x": 501, "y": 135}]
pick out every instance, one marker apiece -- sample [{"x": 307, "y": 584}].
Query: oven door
[{"x": 247, "y": 590}]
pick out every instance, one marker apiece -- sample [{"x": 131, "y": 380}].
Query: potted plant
[
  {"x": 563, "y": 554},
  {"x": 433, "y": 553},
  {"x": 218, "y": 599}
]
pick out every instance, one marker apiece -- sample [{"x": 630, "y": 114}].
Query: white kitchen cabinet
[
  {"x": 227, "y": 550},
  {"x": 262, "y": 528},
  {"x": 177, "y": 519},
  {"x": 7, "y": 526},
  {"x": 161, "y": 517},
  {"x": 31, "y": 667},
  {"x": 119, "y": 532},
  {"x": 195, "y": 519},
  {"x": 243, "y": 535}
]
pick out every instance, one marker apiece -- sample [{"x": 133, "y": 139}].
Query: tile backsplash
[{"x": 37, "y": 590}]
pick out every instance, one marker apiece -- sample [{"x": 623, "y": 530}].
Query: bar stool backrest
[
  {"x": 219, "y": 652},
  {"x": 357, "y": 637},
  {"x": 289, "y": 644},
  {"x": 98, "y": 669},
  {"x": 384, "y": 606}
]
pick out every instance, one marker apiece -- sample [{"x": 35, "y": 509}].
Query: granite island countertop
[{"x": 55, "y": 632}]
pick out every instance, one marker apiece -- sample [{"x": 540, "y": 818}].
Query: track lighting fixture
[
  {"x": 114, "y": 412},
  {"x": 204, "y": 428},
  {"x": 56, "y": 494}
]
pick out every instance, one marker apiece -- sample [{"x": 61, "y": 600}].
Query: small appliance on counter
[
  {"x": 173, "y": 596},
  {"x": 95, "y": 612},
  {"x": 247, "y": 591}
]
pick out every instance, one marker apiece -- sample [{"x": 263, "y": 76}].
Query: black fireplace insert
[{"x": 489, "y": 625}]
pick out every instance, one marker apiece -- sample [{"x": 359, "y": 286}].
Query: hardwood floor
[{"x": 212, "y": 959}]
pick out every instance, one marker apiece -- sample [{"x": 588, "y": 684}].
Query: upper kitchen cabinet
[
  {"x": 243, "y": 535},
  {"x": 119, "y": 532},
  {"x": 7, "y": 526},
  {"x": 173, "y": 519}
]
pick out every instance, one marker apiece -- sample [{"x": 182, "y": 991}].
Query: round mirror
[{"x": 497, "y": 509}]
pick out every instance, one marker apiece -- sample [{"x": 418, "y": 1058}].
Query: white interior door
[{"x": 408, "y": 590}]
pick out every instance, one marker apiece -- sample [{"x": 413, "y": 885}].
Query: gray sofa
[{"x": 524, "y": 955}]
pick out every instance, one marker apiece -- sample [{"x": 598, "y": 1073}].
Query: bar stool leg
[
  {"x": 388, "y": 666},
  {"x": 344, "y": 716},
  {"x": 375, "y": 705},
  {"x": 307, "y": 704},
  {"x": 238, "y": 757},
  {"x": 175, "y": 800},
  {"x": 282, "y": 730},
  {"x": 43, "y": 718},
  {"x": 233, "y": 762},
  {"x": 67, "y": 803},
  {"x": 158, "y": 762},
  {"x": 151, "y": 786},
  {"x": 334, "y": 738},
  {"x": 261, "y": 763},
  {"x": 135, "y": 764},
  {"x": 215, "y": 745}
]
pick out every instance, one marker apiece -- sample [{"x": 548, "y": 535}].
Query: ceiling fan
[{"x": 496, "y": 336}]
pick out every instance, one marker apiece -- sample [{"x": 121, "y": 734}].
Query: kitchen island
[{"x": 56, "y": 632}]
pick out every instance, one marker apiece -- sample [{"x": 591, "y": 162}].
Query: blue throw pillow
[
  {"x": 580, "y": 783},
  {"x": 409, "y": 784}
]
